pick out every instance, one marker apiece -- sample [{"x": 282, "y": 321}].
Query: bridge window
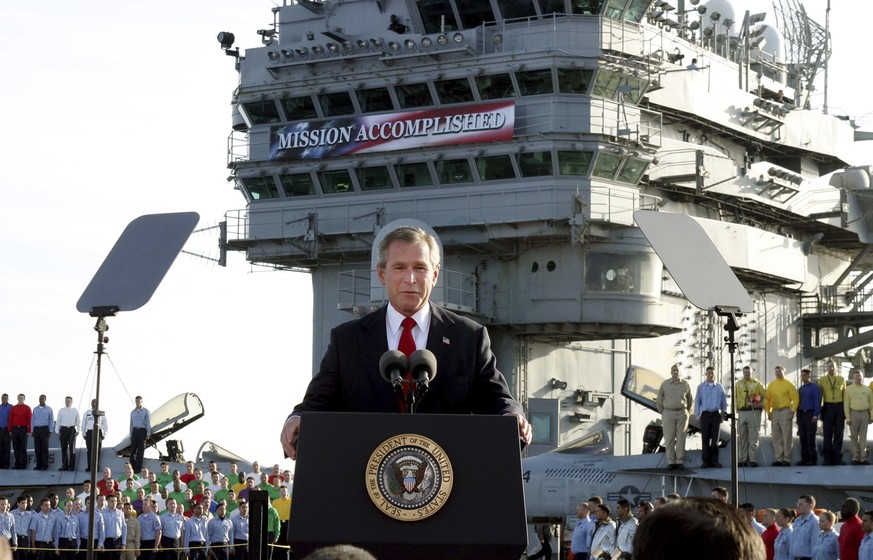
[
  {"x": 495, "y": 168},
  {"x": 413, "y": 95},
  {"x": 262, "y": 112},
  {"x": 453, "y": 171},
  {"x": 535, "y": 164},
  {"x": 261, "y": 188},
  {"x": 637, "y": 89},
  {"x": 622, "y": 272},
  {"x": 548, "y": 7},
  {"x": 475, "y": 12},
  {"x": 373, "y": 178},
  {"x": 606, "y": 83},
  {"x": 512, "y": 9},
  {"x": 437, "y": 15},
  {"x": 454, "y": 91},
  {"x": 297, "y": 184},
  {"x": 606, "y": 165},
  {"x": 632, "y": 171},
  {"x": 574, "y": 163},
  {"x": 337, "y": 181},
  {"x": 497, "y": 86},
  {"x": 535, "y": 82},
  {"x": 299, "y": 108},
  {"x": 334, "y": 104},
  {"x": 414, "y": 174},
  {"x": 574, "y": 80},
  {"x": 586, "y": 7},
  {"x": 375, "y": 100}
]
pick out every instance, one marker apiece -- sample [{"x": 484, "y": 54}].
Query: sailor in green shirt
[
  {"x": 223, "y": 490},
  {"x": 164, "y": 478},
  {"x": 268, "y": 488},
  {"x": 129, "y": 490},
  {"x": 273, "y": 523}
]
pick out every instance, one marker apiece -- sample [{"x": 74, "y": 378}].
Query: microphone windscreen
[
  {"x": 392, "y": 360},
  {"x": 423, "y": 361}
]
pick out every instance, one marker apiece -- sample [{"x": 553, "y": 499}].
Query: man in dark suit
[{"x": 349, "y": 379}]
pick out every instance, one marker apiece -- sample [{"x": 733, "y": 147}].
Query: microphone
[
  {"x": 392, "y": 365},
  {"x": 423, "y": 367}
]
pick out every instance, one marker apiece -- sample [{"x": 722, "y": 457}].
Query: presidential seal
[{"x": 409, "y": 477}]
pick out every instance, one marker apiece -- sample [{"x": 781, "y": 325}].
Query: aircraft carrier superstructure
[{"x": 526, "y": 133}]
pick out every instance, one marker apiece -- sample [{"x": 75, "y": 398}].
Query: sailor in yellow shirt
[
  {"x": 750, "y": 397},
  {"x": 781, "y": 402},
  {"x": 859, "y": 411},
  {"x": 833, "y": 419}
]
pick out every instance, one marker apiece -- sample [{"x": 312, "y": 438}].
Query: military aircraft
[
  {"x": 167, "y": 420},
  {"x": 557, "y": 481}
]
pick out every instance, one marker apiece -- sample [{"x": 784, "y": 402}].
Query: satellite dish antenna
[{"x": 125, "y": 281}]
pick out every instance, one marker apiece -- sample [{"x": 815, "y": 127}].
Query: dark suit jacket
[{"x": 467, "y": 380}]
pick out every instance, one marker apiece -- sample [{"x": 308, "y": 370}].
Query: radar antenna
[{"x": 807, "y": 49}]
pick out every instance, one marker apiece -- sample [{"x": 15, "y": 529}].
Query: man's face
[
  {"x": 830, "y": 367},
  {"x": 674, "y": 372},
  {"x": 107, "y": 473},
  {"x": 215, "y": 478},
  {"x": 804, "y": 377},
  {"x": 4, "y": 505},
  {"x": 243, "y": 508},
  {"x": 856, "y": 377},
  {"x": 68, "y": 401},
  {"x": 189, "y": 466},
  {"x": 221, "y": 510},
  {"x": 20, "y": 399},
  {"x": 126, "y": 508},
  {"x": 780, "y": 373},
  {"x": 803, "y": 507},
  {"x": 42, "y": 400},
  {"x": 234, "y": 468},
  {"x": 622, "y": 511},
  {"x": 747, "y": 373},
  {"x": 601, "y": 515},
  {"x": 171, "y": 505},
  {"x": 4, "y": 399},
  {"x": 138, "y": 402},
  {"x": 54, "y": 501},
  {"x": 867, "y": 523},
  {"x": 165, "y": 469},
  {"x": 45, "y": 506},
  {"x": 710, "y": 375},
  {"x": 408, "y": 276}
]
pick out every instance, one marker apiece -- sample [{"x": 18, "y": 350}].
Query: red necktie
[
  {"x": 407, "y": 343},
  {"x": 407, "y": 346}
]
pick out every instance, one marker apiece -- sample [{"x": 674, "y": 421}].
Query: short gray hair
[{"x": 413, "y": 236}]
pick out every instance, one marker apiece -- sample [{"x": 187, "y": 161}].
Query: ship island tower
[{"x": 526, "y": 133}]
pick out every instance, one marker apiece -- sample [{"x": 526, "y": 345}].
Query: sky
[{"x": 116, "y": 109}]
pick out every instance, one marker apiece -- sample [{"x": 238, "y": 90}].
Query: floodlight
[{"x": 226, "y": 39}]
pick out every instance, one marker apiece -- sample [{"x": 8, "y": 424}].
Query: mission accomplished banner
[{"x": 491, "y": 122}]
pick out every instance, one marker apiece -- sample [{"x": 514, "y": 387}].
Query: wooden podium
[{"x": 336, "y": 501}]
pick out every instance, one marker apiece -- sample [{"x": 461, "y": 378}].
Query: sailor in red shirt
[
  {"x": 107, "y": 485},
  {"x": 851, "y": 533},
  {"x": 771, "y": 531},
  {"x": 20, "y": 417}
]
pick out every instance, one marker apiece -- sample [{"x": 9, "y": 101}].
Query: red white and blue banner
[{"x": 471, "y": 124}]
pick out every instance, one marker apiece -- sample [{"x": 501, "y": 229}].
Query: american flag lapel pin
[{"x": 446, "y": 341}]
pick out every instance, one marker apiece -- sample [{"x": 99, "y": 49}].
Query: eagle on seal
[{"x": 409, "y": 473}]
